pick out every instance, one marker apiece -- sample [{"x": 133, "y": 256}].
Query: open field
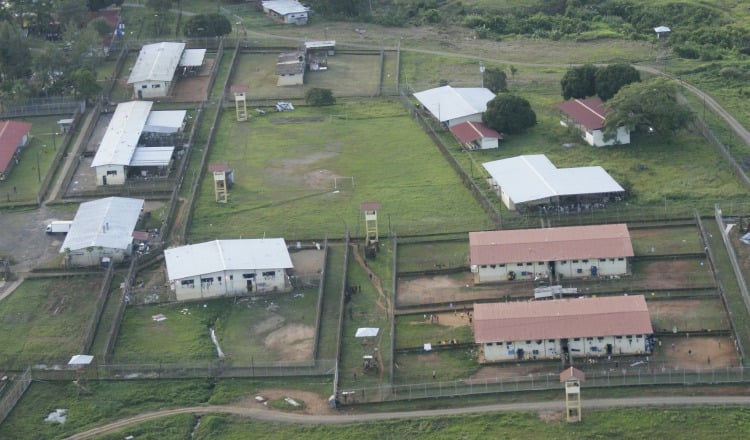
[
  {"x": 287, "y": 170},
  {"x": 412, "y": 331},
  {"x": 45, "y": 320}
]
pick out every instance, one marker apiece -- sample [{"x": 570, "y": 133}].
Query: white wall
[
  {"x": 230, "y": 283},
  {"x": 291, "y": 80},
  {"x": 488, "y": 273},
  {"x": 93, "y": 257},
  {"x": 476, "y": 117},
  {"x": 596, "y": 138},
  {"x": 115, "y": 174},
  {"x": 582, "y": 268},
  {"x": 577, "y": 348},
  {"x": 296, "y": 18},
  {"x": 151, "y": 89},
  {"x": 488, "y": 143}
]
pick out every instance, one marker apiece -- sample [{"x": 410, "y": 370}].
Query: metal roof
[
  {"x": 446, "y": 103},
  {"x": 589, "y": 112},
  {"x": 192, "y": 57},
  {"x": 165, "y": 121},
  {"x": 11, "y": 134},
  {"x": 561, "y": 318},
  {"x": 320, "y": 44},
  {"x": 124, "y": 130},
  {"x": 108, "y": 223},
  {"x": 152, "y": 156},
  {"x": 533, "y": 177},
  {"x": 471, "y": 131},
  {"x": 285, "y": 7},
  {"x": 221, "y": 255},
  {"x": 550, "y": 244},
  {"x": 156, "y": 62},
  {"x": 290, "y": 63}
]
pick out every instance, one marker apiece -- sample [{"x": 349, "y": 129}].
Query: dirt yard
[
  {"x": 313, "y": 403},
  {"x": 194, "y": 88},
  {"x": 293, "y": 342}
]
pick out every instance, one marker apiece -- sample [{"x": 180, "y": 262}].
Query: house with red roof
[
  {"x": 550, "y": 253},
  {"x": 13, "y": 137},
  {"x": 476, "y": 135},
  {"x": 587, "y": 116},
  {"x": 563, "y": 328}
]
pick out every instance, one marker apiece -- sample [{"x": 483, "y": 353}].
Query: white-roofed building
[
  {"x": 159, "y": 157},
  {"x": 191, "y": 61},
  {"x": 228, "y": 267},
  {"x": 286, "y": 11},
  {"x": 453, "y": 106},
  {"x": 102, "y": 229},
  {"x": 120, "y": 141},
  {"x": 165, "y": 121},
  {"x": 530, "y": 180},
  {"x": 154, "y": 70}
]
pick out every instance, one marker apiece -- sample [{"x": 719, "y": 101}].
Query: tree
[
  {"x": 207, "y": 25},
  {"x": 15, "y": 57},
  {"x": 579, "y": 82},
  {"x": 509, "y": 114},
  {"x": 496, "y": 80},
  {"x": 85, "y": 85},
  {"x": 319, "y": 97},
  {"x": 609, "y": 79},
  {"x": 652, "y": 105},
  {"x": 72, "y": 11},
  {"x": 95, "y": 5},
  {"x": 159, "y": 6}
]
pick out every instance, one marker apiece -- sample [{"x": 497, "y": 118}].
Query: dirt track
[{"x": 267, "y": 415}]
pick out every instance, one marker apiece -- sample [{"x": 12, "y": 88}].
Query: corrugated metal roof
[
  {"x": 192, "y": 57},
  {"x": 550, "y": 244},
  {"x": 589, "y": 112},
  {"x": 533, "y": 177},
  {"x": 562, "y": 318},
  {"x": 124, "y": 130},
  {"x": 156, "y": 62},
  {"x": 11, "y": 134},
  {"x": 108, "y": 223},
  {"x": 471, "y": 131},
  {"x": 152, "y": 156},
  {"x": 220, "y": 255},
  {"x": 165, "y": 121},
  {"x": 290, "y": 63},
  {"x": 285, "y": 7},
  {"x": 446, "y": 103}
]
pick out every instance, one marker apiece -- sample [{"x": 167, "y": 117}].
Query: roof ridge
[{"x": 590, "y": 109}]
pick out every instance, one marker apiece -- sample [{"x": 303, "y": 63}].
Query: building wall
[
  {"x": 151, "y": 89},
  {"x": 596, "y": 138},
  {"x": 291, "y": 80},
  {"x": 93, "y": 256},
  {"x": 488, "y": 273},
  {"x": 582, "y": 268},
  {"x": 230, "y": 283},
  {"x": 296, "y": 18},
  {"x": 114, "y": 174},
  {"x": 595, "y": 346},
  {"x": 476, "y": 117},
  {"x": 488, "y": 143}
]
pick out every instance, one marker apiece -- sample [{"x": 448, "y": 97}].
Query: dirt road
[{"x": 268, "y": 415}]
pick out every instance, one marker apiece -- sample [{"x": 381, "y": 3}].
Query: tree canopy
[
  {"x": 15, "y": 56},
  {"x": 509, "y": 114},
  {"x": 318, "y": 97},
  {"x": 496, "y": 80},
  {"x": 610, "y": 79},
  {"x": 579, "y": 82},
  {"x": 651, "y": 104},
  {"x": 207, "y": 25}
]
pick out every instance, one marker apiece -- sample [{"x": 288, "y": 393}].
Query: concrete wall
[
  {"x": 291, "y": 80},
  {"x": 582, "y": 268},
  {"x": 552, "y": 348},
  {"x": 114, "y": 174},
  {"x": 151, "y": 89},
  {"x": 529, "y": 270},
  {"x": 596, "y": 138},
  {"x": 230, "y": 283},
  {"x": 93, "y": 257},
  {"x": 476, "y": 117}
]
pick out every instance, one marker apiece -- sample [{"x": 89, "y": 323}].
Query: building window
[
  {"x": 584, "y": 261},
  {"x": 575, "y": 261},
  {"x": 187, "y": 283},
  {"x": 541, "y": 263},
  {"x": 145, "y": 86},
  {"x": 218, "y": 279},
  {"x": 589, "y": 339},
  {"x": 602, "y": 260},
  {"x": 501, "y": 265},
  {"x": 638, "y": 336},
  {"x": 620, "y": 259},
  {"x": 600, "y": 338},
  {"x": 484, "y": 266},
  {"x": 269, "y": 274},
  {"x": 156, "y": 86},
  {"x": 231, "y": 277},
  {"x": 539, "y": 342},
  {"x": 551, "y": 341},
  {"x": 618, "y": 337},
  {"x": 248, "y": 276},
  {"x": 112, "y": 172},
  {"x": 576, "y": 339},
  {"x": 519, "y": 265},
  {"x": 528, "y": 342},
  {"x": 492, "y": 266},
  {"x": 208, "y": 280},
  {"x": 564, "y": 262},
  {"x": 509, "y": 344},
  {"x": 529, "y": 264}
]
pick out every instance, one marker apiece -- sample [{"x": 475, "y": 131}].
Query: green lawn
[
  {"x": 699, "y": 315},
  {"x": 414, "y": 331},
  {"x": 666, "y": 241},
  {"x": 433, "y": 255},
  {"x": 284, "y": 179},
  {"x": 45, "y": 320}
]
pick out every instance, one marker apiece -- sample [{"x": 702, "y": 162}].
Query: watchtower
[
  {"x": 370, "y": 209},
  {"x": 223, "y": 179},
  {"x": 240, "y": 100},
  {"x": 572, "y": 379}
]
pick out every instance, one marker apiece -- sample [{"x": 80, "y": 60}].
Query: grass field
[
  {"x": 286, "y": 173},
  {"x": 412, "y": 331},
  {"x": 45, "y": 320},
  {"x": 432, "y": 256},
  {"x": 665, "y": 241}
]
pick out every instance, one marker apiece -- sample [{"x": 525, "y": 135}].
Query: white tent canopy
[
  {"x": 366, "y": 332},
  {"x": 81, "y": 359}
]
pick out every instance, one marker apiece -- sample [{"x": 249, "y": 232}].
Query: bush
[{"x": 319, "y": 97}]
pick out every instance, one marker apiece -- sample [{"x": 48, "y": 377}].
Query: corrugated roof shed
[
  {"x": 165, "y": 121},
  {"x": 589, "y": 112},
  {"x": 152, "y": 156},
  {"x": 157, "y": 62},
  {"x": 285, "y": 7},
  {"x": 11, "y": 134},
  {"x": 533, "y": 177},
  {"x": 291, "y": 63},
  {"x": 550, "y": 244},
  {"x": 220, "y": 255},
  {"x": 192, "y": 57},
  {"x": 124, "y": 130},
  {"x": 108, "y": 223},
  {"x": 447, "y": 103},
  {"x": 561, "y": 318}
]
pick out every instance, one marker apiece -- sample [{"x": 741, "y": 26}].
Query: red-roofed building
[
  {"x": 554, "y": 253},
  {"x": 476, "y": 135},
  {"x": 587, "y": 117},
  {"x": 581, "y": 327},
  {"x": 112, "y": 17},
  {"x": 13, "y": 137}
]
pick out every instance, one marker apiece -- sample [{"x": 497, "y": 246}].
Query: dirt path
[{"x": 268, "y": 415}]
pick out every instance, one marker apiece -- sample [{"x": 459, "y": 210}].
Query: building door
[
  {"x": 104, "y": 180},
  {"x": 519, "y": 354},
  {"x": 140, "y": 94},
  {"x": 609, "y": 349}
]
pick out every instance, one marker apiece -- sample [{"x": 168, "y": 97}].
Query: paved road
[{"x": 268, "y": 415}]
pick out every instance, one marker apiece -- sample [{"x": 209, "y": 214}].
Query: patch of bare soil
[
  {"x": 445, "y": 289},
  {"x": 319, "y": 179},
  {"x": 194, "y": 88},
  {"x": 271, "y": 323},
  {"x": 307, "y": 262},
  {"x": 551, "y": 416},
  {"x": 314, "y": 404},
  {"x": 55, "y": 304},
  {"x": 293, "y": 342},
  {"x": 670, "y": 274},
  {"x": 698, "y": 352}
]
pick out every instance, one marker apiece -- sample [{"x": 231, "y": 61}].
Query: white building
[
  {"x": 476, "y": 135},
  {"x": 453, "y": 106},
  {"x": 287, "y": 11},
  {"x": 154, "y": 70},
  {"x": 550, "y": 253},
  {"x": 570, "y": 328},
  {"x": 587, "y": 116},
  {"x": 290, "y": 69},
  {"x": 530, "y": 180},
  {"x": 228, "y": 267},
  {"x": 102, "y": 231}
]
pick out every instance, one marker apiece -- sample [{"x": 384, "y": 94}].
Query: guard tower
[
  {"x": 223, "y": 180},
  {"x": 240, "y": 102},
  {"x": 572, "y": 379},
  {"x": 370, "y": 209}
]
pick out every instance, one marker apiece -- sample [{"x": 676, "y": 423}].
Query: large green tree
[
  {"x": 579, "y": 82},
  {"x": 72, "y": 12},
  {"x": 610, "y": 79},
  {"x": 15, "y": 57},
  {"x": 207, "y": 25},
  {"x": 509, "y": 114},
  {"x": 652, "y": 105},
  {"x": 84, "y": 84},
  {"x": 496, "y": 80}
]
